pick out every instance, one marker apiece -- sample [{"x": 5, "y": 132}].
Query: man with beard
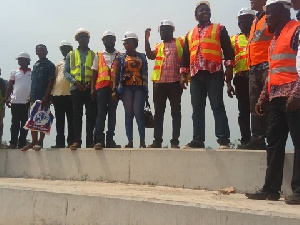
[
  {"x": 101, "y": 89},
  {"x": 166, "y": 81},
  {"x": 282, "y": 92},
  {"x": 202, "y": 58}
]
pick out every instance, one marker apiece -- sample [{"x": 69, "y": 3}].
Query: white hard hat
[
  {"x": 23, "y": 55},
  {"x": 286, "y": 3},
  {"x": 108, "y": 33},
  {"x": 130, "y": 34},
  {"x": 246, "y": 11},
  {"x": 65, "y": 43},
  {"x": 81, "y": 30},
  {"x": 167, "y": 23},
  {"x": 203, "y": 2}
]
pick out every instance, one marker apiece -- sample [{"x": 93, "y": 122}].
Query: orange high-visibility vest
[
  {"x": 239, "y": 44},
  {"x": 210, "y": 45},
  {"x": 259, "y": 42},
  {"x": 283, "y": 58},
  {"x": 160, "y": 57},
  {"x": 105, "y": 74}
]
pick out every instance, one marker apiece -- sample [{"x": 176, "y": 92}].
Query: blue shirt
[
  {"x": 42, "y": 73},
  {"x": 67, "y": 69}
]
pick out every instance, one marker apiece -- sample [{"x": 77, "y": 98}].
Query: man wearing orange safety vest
[
  {"x": 166, "y": 81},
  {"x": 241, "y": 71},
  {"x": 259, "y": 41},
  {"x": 202, "y": 58},
  {"x": 282, "y": 93},
  {"x": 101, "y": 89}
]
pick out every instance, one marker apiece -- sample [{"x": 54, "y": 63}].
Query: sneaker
[
  {"x": 27, "y": 147},
  {"x": 193, "y": 144},
  {"x": 99, "y": 146},
  {"x": 75, "y": 145},
  {"x": 37, "y": 147},
  {"x": 264, "y": 195},
  {"x": 224, "y": 146},
  {"x": 293, "y": 199},
  {"x": 112, "y": 144}
]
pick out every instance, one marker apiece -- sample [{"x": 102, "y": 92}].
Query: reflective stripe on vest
[
  {"x": 160, "y": 57},
  {"x": 283, "y": 59},
  {"x": 259, "y": 42},
  {"x": 75, "y": 65},
  {"x": 239, "y": 44},
  {"x": 210, "y": 45}
]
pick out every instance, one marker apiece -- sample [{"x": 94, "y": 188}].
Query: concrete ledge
[
  {"x": 195, "y": 169},
  {"x": 42, "y": 202}
]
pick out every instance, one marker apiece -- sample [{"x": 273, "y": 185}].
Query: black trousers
[
  {"x": 257, "y": 80},
  {"x": 162, "y": 92},
  {"x": 280, "y": 123},
  {"x": 241, "y": 84},
  {"x": 63, "y": 108},
  {"x": 79, "y": 99},
  {"x": 19, "y": 116}
]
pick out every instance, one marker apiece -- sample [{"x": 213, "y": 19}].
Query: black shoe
[
  {"x": 154, "y": 145},
  {"x": 112, "y": 144},
  {"x": 254, "y": 146},
  {"x": 264, "y": 195},
  {"x": 58, "y": 146},
  {"x": 193, "y": 144},
  {"x": 293, "y": 199},
  {"x": 142, "y": 144},
  {"x": 99, "y": 146},
  {"x": 129, "y": 145}
]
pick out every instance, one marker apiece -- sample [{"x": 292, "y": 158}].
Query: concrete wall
[
  {"x": 34, "y": 207},
  {"x": 199, "y": 169}
]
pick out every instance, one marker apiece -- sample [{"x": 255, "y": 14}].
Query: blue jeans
[
  {"x": 106, "y": 106},
  {"x": 134, "y": 98},
  {"x": 205, "y": 84}
]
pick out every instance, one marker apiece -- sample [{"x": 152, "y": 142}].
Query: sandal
[{"x": 75, "y": 145}]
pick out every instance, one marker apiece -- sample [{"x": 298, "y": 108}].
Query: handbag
[{"x": 149, "y": 119}]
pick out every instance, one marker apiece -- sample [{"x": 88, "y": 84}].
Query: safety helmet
[
  {"x": 246, "y": 11},
  {"x": 130, "y": 34},
  {"x": 65, "y": 43},
  {"x": 81, "y": 30},
  {"x": 167, "y": 23},
  {"x": 107, "y": 33},
  {"x": 287, "y": 3},
  {"x": 23, "y": 55}
]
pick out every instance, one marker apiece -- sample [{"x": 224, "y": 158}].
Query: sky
[{"x": 27, "y": 23}]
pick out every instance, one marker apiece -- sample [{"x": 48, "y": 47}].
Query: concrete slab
[
  {"x": 195, "y": 169},
  {"x": 38, "y": 202}
]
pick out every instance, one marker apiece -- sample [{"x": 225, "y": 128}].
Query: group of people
[{"x": 262, "y": 61}]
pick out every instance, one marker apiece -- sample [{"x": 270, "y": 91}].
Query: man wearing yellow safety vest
[
  {"x": 166, "y": 81},
  {"x": 78, "y": 71},
  {"x": 101, "y": 89},
  {"x": 241, "y": 71},
  {"x": 202, "y": 58},
  {"x": 259, "y": 41}
]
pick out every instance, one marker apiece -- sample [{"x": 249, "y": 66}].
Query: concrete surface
[
  {"x": 41, "y": 202},
  {"x": 195, "y": 169}
]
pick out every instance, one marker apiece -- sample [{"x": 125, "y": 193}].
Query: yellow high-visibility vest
[
  {"x": 75, "y": 65},
  {"x": 160, "y": 57},
  {"x": 239, "y": 44}
]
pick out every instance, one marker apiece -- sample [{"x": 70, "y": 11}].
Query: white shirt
[
  {"x": 109, "y": 59},
  {"x": 61, "y": 85},
  {"x": 22, "y": 86}
]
